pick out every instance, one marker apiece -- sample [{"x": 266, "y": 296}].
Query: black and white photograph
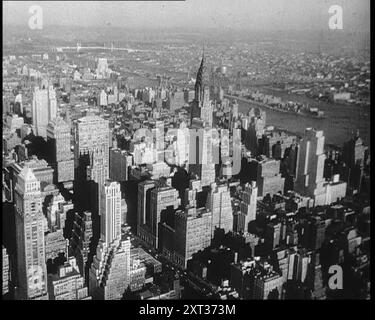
[{"x": 204, "y": 150}]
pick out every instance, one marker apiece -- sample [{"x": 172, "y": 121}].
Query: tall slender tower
[
  {"x": 80, "y": 241},
  {"x": 162, "y": 197},
  {"x": 143, "y": 208},
  {"x": 44, "y": 109},
  {"x": 91, "y": 155},
  {"x": 110, "y": 271},
  {"x": 58, "y": 136},
  {"x": 110, "y": 225},
  {"x": 219, "y": 203},
  {"x": 310, "y": 166},
  {"x": 31, "y": 266},
  {"x": 249, "y": 203},
  {"x": 201, "y": 106},
  {"x": 202, "y": 92}
]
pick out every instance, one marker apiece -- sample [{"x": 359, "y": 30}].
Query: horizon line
[{"x": 186, "y": 28}]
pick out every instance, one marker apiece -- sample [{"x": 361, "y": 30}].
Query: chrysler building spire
[{"x": 201, "y": 81}]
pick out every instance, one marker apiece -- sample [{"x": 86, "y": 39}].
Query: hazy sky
[{"x": 219, "y": 14}]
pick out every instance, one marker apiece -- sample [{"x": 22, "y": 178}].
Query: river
[{"x": 340, "y": 121}]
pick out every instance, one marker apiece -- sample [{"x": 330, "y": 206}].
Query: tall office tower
[
  {"x": 110, "y": 224},
  {"x": 102, "y": 70},
  {"x": 238, "y": 218},
  {"x": 80, "y": 241},
  {"x": 31, "y": 266},
  {"x": 6, "y": 270},
  {"x": 219, "y": 203},
  {"x": 67, "y": 284},
  {"x": 269, "y": 180},
  {"x": 52, "y": 101},
  {"x": 110, "y": 252},
  {"x": 201, "y": 105},
  {"x": 173, "y": 152},
  {"x": 254, "y": 131},
  {"x": 272, "y": 234},
  {"x": 62, "y": 158},
  {"x": 119, "y": 161},
  {"x": 202, "y": 153},
  {"x": 354, "y": 157},
  {"x": 206, "y": 113},
  {"x": 109, "y": 275},
  {"x": 249, "y": 203},
  {"x": 224, "y": 143},
  {"x": 190, "y": 233},
  {"x": 162, "y": 197},
  {"x": 182, "y": 144},
  {"x": 102, "y": 98},
  {"x": 237, "y": 151},
  {"x": 354, "y": 151},
  {"x": 92, "y": 136},
  {"x": 290, "y": 159},
  {"x": 143, "y": 208},
  {"x": 91, "y": 155},
  {"x": 110, "y": 271},
  {"x": 310, "y": 166},
  {"x": 44, "y": 109},
  {"x": 158, "y": 136}
]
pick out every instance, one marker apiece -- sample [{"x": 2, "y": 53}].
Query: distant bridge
[{"x": 111, "y": 48}]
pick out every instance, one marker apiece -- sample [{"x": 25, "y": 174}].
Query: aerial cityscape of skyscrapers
[{"x": 166, "y": 169}]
